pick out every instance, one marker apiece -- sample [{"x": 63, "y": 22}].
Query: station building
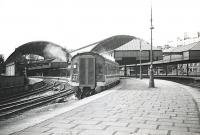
[
  {"x": 178, "y": 61},
  {"x": 183, "y": 60}
]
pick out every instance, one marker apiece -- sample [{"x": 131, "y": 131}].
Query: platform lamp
[
  {"x": 151, "y": 76},
  {"x": 140, "y": 58}
]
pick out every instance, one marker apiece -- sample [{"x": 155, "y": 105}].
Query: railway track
[
  {"x": 35, "y": 98},
  {"x": 189, "y": 81},
  {"x": 44, "y": 88},
  {"x": 20, "y": 106}
]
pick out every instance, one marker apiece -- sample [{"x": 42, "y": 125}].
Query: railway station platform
[{"x": 129, "y": 108}]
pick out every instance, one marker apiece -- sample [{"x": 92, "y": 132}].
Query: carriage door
[{"x": 87, "y": 71}]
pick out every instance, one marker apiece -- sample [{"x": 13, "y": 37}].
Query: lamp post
[
  {"x": 140, "y": 59},
  {"x": 151, "y": 77}
]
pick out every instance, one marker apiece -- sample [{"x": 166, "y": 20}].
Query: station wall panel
[
  {"x": 186, "y": 55},
  {"x": 176, "y": 57},
  {"x": 120, "y": 54},
  {"x": 11, "y": 81},
  {"x": 157, "y": 55},
  {"x": 195, "y": 54}
]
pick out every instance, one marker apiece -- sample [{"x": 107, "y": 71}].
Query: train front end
[{"x": 83, "y": 75}]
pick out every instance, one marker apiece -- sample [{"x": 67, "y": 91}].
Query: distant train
[{"x": 92, "y": 73}]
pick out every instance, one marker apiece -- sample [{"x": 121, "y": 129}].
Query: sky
[{"x": 76, "y": 23}]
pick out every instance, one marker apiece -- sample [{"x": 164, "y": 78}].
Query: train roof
[
  {"x": 83, "y": 49},
  {"x": 93, "y": 53}
]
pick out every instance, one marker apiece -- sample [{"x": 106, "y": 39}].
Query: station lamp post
[
  {"x": 151, "y": 76},
  {"x": 140, "y": 59}
]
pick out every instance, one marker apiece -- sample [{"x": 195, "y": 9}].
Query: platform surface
[{"x": 130, "y": 108}]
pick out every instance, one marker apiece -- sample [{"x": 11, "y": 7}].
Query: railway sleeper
[{"x": 81, "y": 93}]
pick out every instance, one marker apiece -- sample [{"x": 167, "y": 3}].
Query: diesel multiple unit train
[{"x": 92, "y": 73}]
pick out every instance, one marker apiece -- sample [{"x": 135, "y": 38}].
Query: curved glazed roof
[
  {"x": 112, "y": 43},
  {"x": 42, "y": 48}
]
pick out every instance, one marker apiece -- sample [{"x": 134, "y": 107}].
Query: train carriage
[{"x": 91, "y": 73}]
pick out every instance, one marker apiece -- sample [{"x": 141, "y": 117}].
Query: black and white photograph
[{"x": 99, "y": 67}]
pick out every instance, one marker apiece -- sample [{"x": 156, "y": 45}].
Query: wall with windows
[{"x": 10, "y": 69}]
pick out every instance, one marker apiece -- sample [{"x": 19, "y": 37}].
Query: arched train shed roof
[
  {"x": 41, "y": 48},
  {"x": 112, "y": 43}
]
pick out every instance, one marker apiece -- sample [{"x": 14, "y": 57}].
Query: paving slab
[{"x": 131, "y": 108}]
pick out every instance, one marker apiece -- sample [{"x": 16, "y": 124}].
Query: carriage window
[
  {"x": 99, "y": 69},
  {"x": 110, "y": 69},
  {"x": 106, "y": 69},
  {"x": 111, "y": 66}
]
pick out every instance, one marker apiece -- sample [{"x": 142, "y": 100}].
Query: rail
[
  {"x": 35, "y": 97},
  {"x": 20, "y": 106}
]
